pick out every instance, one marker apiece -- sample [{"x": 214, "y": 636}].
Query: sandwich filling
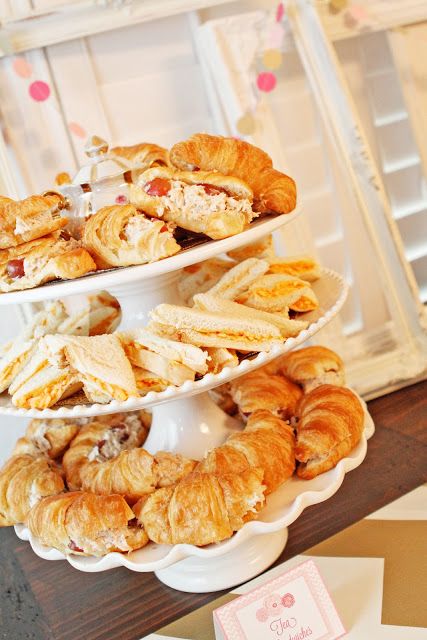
[
  {"x": 138, "y": 227},
  {"x": 125, "y": 435}
]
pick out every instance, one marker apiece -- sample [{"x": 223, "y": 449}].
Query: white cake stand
[{"x": 186, "y": 420}]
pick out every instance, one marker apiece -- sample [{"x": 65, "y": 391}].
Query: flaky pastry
[
  {"x": 47, "y": 437},
  {"x": 262, "y": 390},
  {"x": 142, "y": 155},
  {"x": 311, "y": 366}
]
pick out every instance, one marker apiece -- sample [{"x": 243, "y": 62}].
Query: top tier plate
[{"x": 123, "y": 275}]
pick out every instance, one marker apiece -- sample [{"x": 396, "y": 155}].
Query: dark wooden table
[{"x": 42, "y": 600}]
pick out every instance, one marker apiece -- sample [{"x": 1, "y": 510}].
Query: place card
[{"x": 294, "y": 606}]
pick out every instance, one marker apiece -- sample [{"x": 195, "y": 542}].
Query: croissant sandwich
[
  {"x": 86, "y": 524},
  {"x": 143, "y": 155},
  {"x": 312, "y": 366},
  {"x": 43, "y": 260},
  {"x": 267, "y": 442},
  {"x": 25, "y": 220},
  {"x": 331, "y": 422},
  {"x": 278, "y": 293},
  {"x": 202, "y": 508},
  {"x": 273, "y": 191},
  {"x": 24, "y": 480},
  {"x": 102, "y": 440},
  {"x": 262, "y": 390},
  {"x": 47, "y": 437},
  {"x": 213, "y": 329},
  {"x": 211, "y": 203},
  {"x": 120, "y": 235}
]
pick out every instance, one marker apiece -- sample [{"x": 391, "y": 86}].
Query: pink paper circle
[
  {"x": 280, "y": 12},
  {"x": 266, "y": 81},
  {"x": 77, "y": 129},
  {"x": 22, "y": 68},
  {"x": 39, "y": 90}
]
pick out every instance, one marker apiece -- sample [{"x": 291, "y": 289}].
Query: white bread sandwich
[
  {"x": 278, "y": 293},
  {"x": 287, "y": 327},
  {"x": 147, "y": 381},
  {"x": 213, "y": 329},
  {"x": 219, "y": 358},
  {"x": 14, "y": 361},
  {"x": 303, "y": 267},
  {"x": 262, "y": 249},
  {"x": 239, "y": 278},
  {"x": 205, "y": 202},
  {"x": 198, "y": 278}
]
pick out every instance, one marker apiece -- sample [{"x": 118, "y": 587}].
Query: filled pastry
[
  {"x": 142, "y": 155},
  {"x": 278, "y": 293},
  {"x": 86, "y": 524},
  {"x": 216, "y": 205},
  {"x": 311, "y": 366},
  {"x": 25, "y": 220},
  {"x": 262, "y": 390},
  {"x": 202, "y": 508},
  {"x": 120, "y": 235},
  {"x": 24, "y": 480},
  {"x": 52, "y": 257},
  {"x": 267, "y": 443},
  {"x": 47, "y": 437},
  {"x": 100, "y": 441},
  {"x": 330, "y": 424},
  {"x": 273, "y": 191},
  {"x": 134, "y": 473}
]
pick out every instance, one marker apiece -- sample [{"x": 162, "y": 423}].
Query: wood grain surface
[{"x": 43, "y": 600}]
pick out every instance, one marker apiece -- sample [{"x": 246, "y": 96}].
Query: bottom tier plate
[{"x": 283, "y": 507}]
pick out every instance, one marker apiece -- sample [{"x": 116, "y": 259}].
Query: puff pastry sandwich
[
  {"x": 25, "y": 220},
  {"x": 140, "y": 156},
  {"x": 202, "y": 508},
  {"x": 331, "y": 422},
  {"x": 42, "y": 260},
  {"x": 311, "y": 366},
  {"x": 267, "y": 443},
  {"x": 120, "y": 235},
  {"x": 263, "y": 390},
  {"x": 273, "y": 191},
  {"x": 24, "y": 480},
  {"x": 205, "y": 202},
  {"x": 86, "y": 524}
]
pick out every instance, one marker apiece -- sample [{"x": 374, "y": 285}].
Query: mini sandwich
[
  {"x": 147, "y": 381},
  {"x": 239, "y": 278},
  {"x": 205, "y": 202},
  {"x": 104, "y": 313},
  {"x": 25, "y": 220},
  {"x": 170, "y": 360},
  {"x": 262, "y": 249},
  {"x": 213, "y": 329},
  {"x": 219, "y": 358},
  {"x": 41, "y": 384},
  {"x": 14, "y": 361},
  {"x": 42, "y": 260},
  {"x": 99, "y": 362},
  {"x": 198, "y": 278},
  {"x": 277, "y": 293},
  {"x": 303, "y": 267},
  {"x": 286, "y": 326},
  {"x": 143, "y": 155}
]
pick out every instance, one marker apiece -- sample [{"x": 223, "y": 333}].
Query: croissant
[
  {"x": 47, "y": 437},
  {"x": 262, "y": 390},
  {"x": 134, "y": 473},
  {"x": 24, "y": 480},
  {"x": 267, "y": 443},
  {"x": 119, "y": 236},
  {"x": 143, "y": 155},
  {"x": 42, "y": 260},
  {"x": 86, "y": 524},
  {"x": 311, "y": 367},
  {"x": 34, "y": 217},
  {"x": 202, "y": 508},
  {"x": 273, "y": 191},
  {"x": 99, "y": 441},
  {"x": 331, "y": 422}
]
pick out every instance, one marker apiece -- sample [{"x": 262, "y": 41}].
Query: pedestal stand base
[{"x": 196, "y": 575}]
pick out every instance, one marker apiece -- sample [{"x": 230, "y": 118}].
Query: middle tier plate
[{"x": 331, "y": 291}]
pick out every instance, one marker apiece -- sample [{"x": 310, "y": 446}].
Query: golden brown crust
[
  {"x": 202, "y": 508},
  {"x": 47, "y": 437},
  {"x": 331, "y": 421},
  {"x": 267, "y": 443},
  {"x": 142, "y": 155},
  {"x": 262, "y": 390},
  {"x": 24, "y": 480},
  {"x": 119, "y": 236},
  {"x": 86, "y": 524},
  {"x": 311, "y": 367},
  {"x": 273, "y": 191}
]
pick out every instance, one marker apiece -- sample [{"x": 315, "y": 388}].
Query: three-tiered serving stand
[{"x": 185, "y": 419}]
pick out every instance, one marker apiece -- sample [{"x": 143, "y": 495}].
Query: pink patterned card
[{"x": 293, "y": 606}]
